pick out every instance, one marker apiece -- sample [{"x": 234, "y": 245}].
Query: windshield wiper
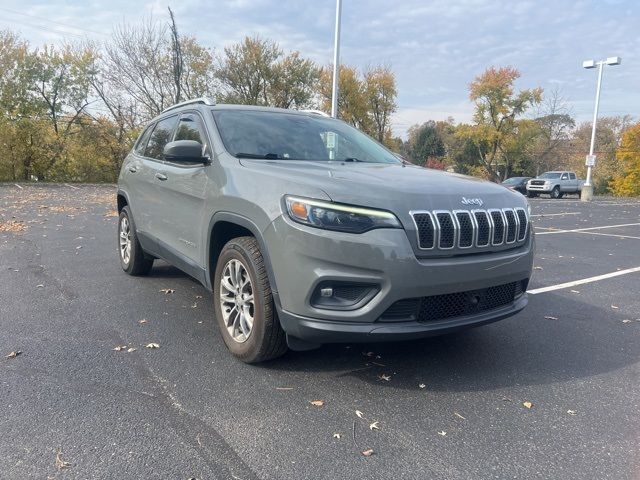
[{"x": 266, "y": 156}]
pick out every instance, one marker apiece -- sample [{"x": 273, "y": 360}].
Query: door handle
[
  {"x": 133, "y": 169},
  {"x": 161, "y": 176}
]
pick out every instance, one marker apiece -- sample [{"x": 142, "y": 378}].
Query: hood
[{"x": 394, "y": 187}]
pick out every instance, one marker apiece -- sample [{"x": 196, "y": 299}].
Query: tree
[
  {"x": 380, "y": 94},
  {"x": 257, "y": 72},
  {"x": 497, "y": 107},
  {"x": 365, "y": 101},
  {"x": 608, "y": 136},
  {"x": 425, "y": 143},
  {"x": 352, "y": 102},
  {"x": 627, "y": 182}
]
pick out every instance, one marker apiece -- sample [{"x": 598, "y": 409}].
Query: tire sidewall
[{"x": 247, "y": 349}]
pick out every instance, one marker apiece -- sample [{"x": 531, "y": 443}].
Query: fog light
[
  {"x": 326, "y": 292},
  {"x": 333, "y": 295}
]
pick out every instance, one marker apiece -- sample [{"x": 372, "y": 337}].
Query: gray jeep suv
[{"x": 309, "y": 232}]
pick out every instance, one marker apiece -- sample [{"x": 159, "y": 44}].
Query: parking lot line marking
[
  {"x": 610, "y": 235},
  {"x": 556, "y": 214},
  {"x": 574, "y": 230},
  {"x": 597, "y": 278}
]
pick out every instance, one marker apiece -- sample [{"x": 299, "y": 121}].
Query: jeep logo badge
[{"x": 472, "y": 201}]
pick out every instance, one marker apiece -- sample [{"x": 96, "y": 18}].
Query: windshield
[
  {"x": 513, "y": 181},
  {"x": 289, "y": 136},
  {"x": 550, "y": 175}
]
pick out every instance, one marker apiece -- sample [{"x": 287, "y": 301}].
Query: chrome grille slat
[{"x": 445, "y": 230}]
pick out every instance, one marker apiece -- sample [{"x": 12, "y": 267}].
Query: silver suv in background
[
  {"x": 309, "y": 232},
  {"x": 556, "y": 184}
]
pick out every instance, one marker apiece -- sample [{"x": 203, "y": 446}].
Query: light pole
[
  {"x": 586, "y": 194},
  {"x": 336, "y": 61}
]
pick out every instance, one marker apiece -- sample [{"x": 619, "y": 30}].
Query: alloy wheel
[{"x": 236, "y": 299}]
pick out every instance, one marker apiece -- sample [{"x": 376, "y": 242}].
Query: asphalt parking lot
[{"x": 452, "y": 407}]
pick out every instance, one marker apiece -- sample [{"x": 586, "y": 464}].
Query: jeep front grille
[{"x": 464, "y": 229}]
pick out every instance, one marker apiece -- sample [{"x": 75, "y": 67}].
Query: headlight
[{"x": 339, "y": 217}]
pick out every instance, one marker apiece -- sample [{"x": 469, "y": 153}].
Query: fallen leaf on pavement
[
  {"x": 385, "y": 377},
  {"x": 527, "y": 404},
  {"x": 368, "y": 452},
  {"x": 575, "y": 291},
  {"x": 60, "y": 463},
  {"x": 374, "y": 426},
  {"x": 152, "y": 345},
  {"x": 40, "y": 285},
  {"x": 549, "y": 317},
  {"x": 615, "y": 307},
  {"x": 537, "y": 268},
  {"x": 120, "y": 348},
  {"x": 422, "y": 385},
  {"x": 317, "y": 403},
  {"x": 368, "y": 354},
  {"x": 337, "y": 435},
  {"x": 14, "y": 354},
  {"x": 143, "y": 321},
  {"x": 129, "y": 350},
  {"x": 359, "y": 414},
  {"x": 166, "y": 291},
  {"x": 198, "y": 296},
  {"x": 459, "y": 416},
  {"x": 442, "y": 433},
  {"x": 572, "y": 412},
  {"x": 284, "y": 388}
]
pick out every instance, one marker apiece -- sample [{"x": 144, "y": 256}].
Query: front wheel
[
  {"x": 555, "y": 193},
  {"x": 243, "y": 303}
]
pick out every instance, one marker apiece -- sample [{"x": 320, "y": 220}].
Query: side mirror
[{"x": 184, "y": 151}]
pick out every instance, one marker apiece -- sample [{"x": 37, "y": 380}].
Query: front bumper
[
  {"x": 303, "y": 257},
  {"x": 539, "y": 188}
]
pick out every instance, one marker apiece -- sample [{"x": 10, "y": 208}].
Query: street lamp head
[
  {"x": 613, "y": 61},
  {"x": 588, "y": 64}
]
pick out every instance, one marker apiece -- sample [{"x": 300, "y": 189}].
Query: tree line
[
  {"x": 525, "y": 133},
  {"x": 71, "y": 112}
]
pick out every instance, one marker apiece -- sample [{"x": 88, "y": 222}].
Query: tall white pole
[
  {"x": 587, "y": 183},
  {"x": 336, "y": 61}
]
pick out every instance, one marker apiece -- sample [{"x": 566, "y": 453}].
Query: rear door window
[
  {"x": 572, "y": 176},
  {"x": 161, "y": 135}
]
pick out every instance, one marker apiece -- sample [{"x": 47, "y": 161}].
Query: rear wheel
[
  {"x": 243, "y": 303},
  {"x": 555, "y": 193},
  {"x": 132, "y": 258}
]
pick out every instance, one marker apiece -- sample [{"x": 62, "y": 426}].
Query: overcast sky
[{"x": 435, "y": 47}]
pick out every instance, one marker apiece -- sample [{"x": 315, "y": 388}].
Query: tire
[
  {"x": 532, "y": 194},
  {"x": 134, "y": 261},
  {"x": 255, "y": 334},
  {"x": 555, "y": 193}
]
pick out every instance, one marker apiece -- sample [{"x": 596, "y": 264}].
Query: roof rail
[
  {"x": 316, "y": 112},
  {"x": 203, "y": 100}
]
